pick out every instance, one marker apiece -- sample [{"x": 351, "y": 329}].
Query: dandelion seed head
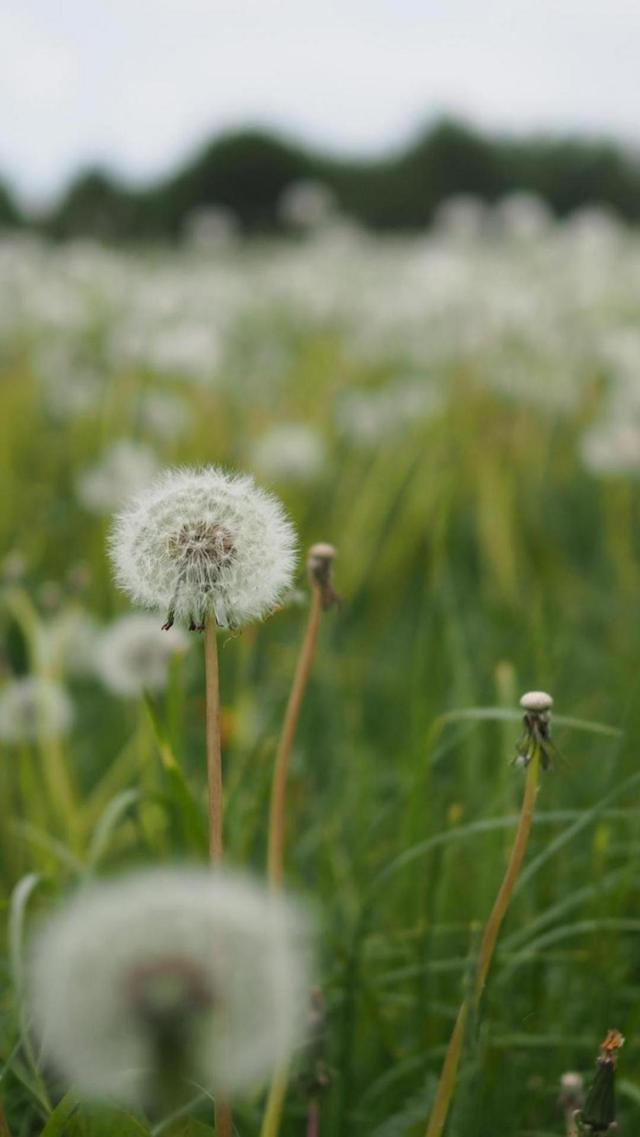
[
  {"x": 34, "y": 708},
  {"x": 536, "y": 701},
  {"x": 202, "y": 543},
  {"x": 211, "y": 952},
  {"x": 133, "y": 655}
]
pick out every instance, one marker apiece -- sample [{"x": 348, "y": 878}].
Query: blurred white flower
[
  {"x": 133, "y": 655},
  {"x": 34, "y": 709},
  {"x": 201, "y": 543},
  {"x": 65, "y": 643},
  {"x": 290, "y": 451},
  {"x": 370, "y": 417},
  {"x": 461, "y": 217},
  {"x": 207, "y": 961},
  {"x": 211, "y": 229},
  {"x": 307, "y": 204},
  {"x": 71, "y": 385},
  {"x": 523, "y": 216},
  {"x": 165, "y": 415},
  {"x": 612, "y": 448},
  {"x": 126, "y": 467}
]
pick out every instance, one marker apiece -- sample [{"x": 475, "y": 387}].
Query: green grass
[{"x": 477, "y": 559}]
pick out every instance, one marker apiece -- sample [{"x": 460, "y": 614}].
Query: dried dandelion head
[
  {"x": 167, "y": 974},
  {"x": 319, "y": 568},
  {"x": 204, "y": 543},
  {"x": 536, "y": 737}
]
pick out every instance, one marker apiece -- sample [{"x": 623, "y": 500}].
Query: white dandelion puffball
[
  {"x": 126, "y": 467},
  {"x": 133, "y": 655},
  {"x": 201, "y": 543},
  {"x": 34, "y": 708},
  {"x": 233, "y": 959}
]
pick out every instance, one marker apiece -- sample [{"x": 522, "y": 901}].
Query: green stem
[
  {"x": 446, "y": 1085},
  {"x": 223, "y": 1118},
  {"x": 277, "y": 820}
]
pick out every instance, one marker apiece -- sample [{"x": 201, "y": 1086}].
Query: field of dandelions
[{"x": 458, "y": 413}]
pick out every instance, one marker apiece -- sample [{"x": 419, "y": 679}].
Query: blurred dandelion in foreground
[
  {"x": 598, "y": 1114},
  {"x": 134, "y": 654},
  {"x": 536, "y": 737},
  {"x": 145, "y": 988},
  {"x": 125, "y": 468},
  {"x": 204, "y": 543},
  {"x": 34, "y": 709}
]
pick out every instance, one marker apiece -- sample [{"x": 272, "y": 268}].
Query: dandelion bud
[
  {"x": 319, "y": 566},
  {"x": 599, "y": 1112},
  {"x": 142, "y": 987},
  {"x": 203, "y": 543}
]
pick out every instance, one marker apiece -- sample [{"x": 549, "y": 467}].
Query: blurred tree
[
  {"x": 10, "y": 216},
  {"x": 247, "y": 173},
  {"x": 95, "y": 206}
]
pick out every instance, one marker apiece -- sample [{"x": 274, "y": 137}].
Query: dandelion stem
[
  {"x": 277, "y": 813},
  {"x": 214, "y": 753},
  {"x": 223, "y": 1119},
  {"x": 313, "y": 1120},
  {"x": 4, "y": 1124},
  {"x": 448, "y": 1076},
  {"x": 275, "y": 1104},
  {"x": 499, "y": 909},
  {"x": 277, "y": 816},
  {"x": 447, "y": 1081}
]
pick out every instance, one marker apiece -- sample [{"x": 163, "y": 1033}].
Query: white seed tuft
[
  {"x": 240, "y": 946},
  {"x": 536, "y": 701},
  {"x": 201, "y": 543}
]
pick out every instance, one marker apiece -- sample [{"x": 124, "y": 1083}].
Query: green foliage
[
  {"x": 477, "y": 558},
  {"x": 10, "y": 216}
]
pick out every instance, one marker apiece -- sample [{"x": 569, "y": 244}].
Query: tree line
[{"x": 247, "y": 173}]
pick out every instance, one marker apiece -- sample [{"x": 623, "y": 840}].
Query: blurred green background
[{"x": 458, "y": 413}]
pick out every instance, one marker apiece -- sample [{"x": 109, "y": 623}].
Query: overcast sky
[{"x": 138, "y": 84}]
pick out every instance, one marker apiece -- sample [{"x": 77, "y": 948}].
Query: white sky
[{"x": 138, "y": 84}]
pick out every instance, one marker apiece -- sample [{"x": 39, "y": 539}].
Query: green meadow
[{"x": 470, "y": 407}]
